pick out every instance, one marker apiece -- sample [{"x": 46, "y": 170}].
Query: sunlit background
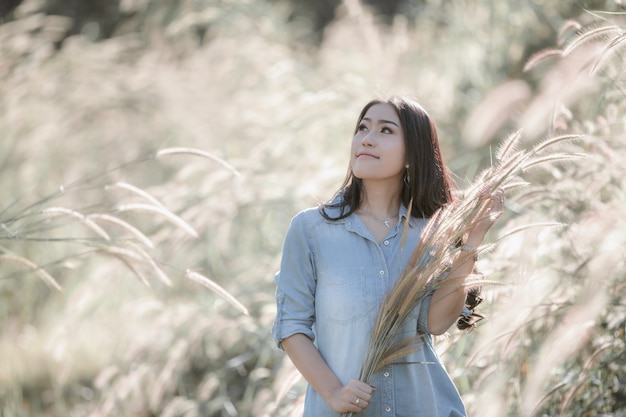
[{"x": 153, "y": 152}]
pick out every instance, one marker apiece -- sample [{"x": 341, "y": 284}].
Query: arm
[
  {"x": 312, "y": 366},
  {"x": 448, "y": 300},
  {"x": 292, "y": 330}
]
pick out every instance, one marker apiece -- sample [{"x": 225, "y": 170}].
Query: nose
[{"x": 367, "y": 140}]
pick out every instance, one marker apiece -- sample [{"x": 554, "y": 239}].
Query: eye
[
  {"x": 386, "y": 130},
  {"x": 362, "y": 128}
]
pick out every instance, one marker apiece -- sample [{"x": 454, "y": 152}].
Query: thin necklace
[{"x": 386, "y": 221}]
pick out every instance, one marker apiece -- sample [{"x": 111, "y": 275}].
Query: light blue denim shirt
[{"x": 332, "y": 280}]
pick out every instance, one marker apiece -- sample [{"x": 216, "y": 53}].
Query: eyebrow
[{"x": 382, "y": 121}]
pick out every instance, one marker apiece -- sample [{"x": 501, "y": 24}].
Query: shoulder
[
  {"x": 307, "y": 219},
  {"x": 311, "y": 219},
  {"x": 322, "y": 213}
]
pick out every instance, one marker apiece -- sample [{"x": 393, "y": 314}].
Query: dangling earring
[
  {"x": 407, "y": 182},
  {"x": 407, "y": 177}
]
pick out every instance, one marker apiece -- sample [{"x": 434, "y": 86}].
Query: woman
[{"x": 341, "y": 258}]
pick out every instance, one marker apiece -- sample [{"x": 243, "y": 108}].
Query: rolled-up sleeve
[{"x": 295, "y": 285}]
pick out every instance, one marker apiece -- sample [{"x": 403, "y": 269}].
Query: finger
[
  {"x": 361, "y": 403},
  {"x": 500, "y": 193},
  {"x": 497, "y": 198},
  {"x": 360, "y": 387}
]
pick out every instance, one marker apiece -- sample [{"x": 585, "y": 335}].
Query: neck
[{"x": 380, "y": 199}]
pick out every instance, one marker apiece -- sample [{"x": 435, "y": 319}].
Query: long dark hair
[{"x": 428, "y": 184}]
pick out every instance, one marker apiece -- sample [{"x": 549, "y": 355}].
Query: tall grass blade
[
  {"x": 124, "y": 225},
  {"x": 136, "y": 190},
  {"x": 85, "y": 220},
  {"x": 554, "y": 141},
  {"x": 206, "y": 282},
  {"x": 198, "y": 152},
  {"x": 39, "y": 271},
  {"x": 541, "y": 56},
  {"x": 527, "y": 227},
  {"x": 589, "y": 35},
  {"x": 561, "y": 157},
  {"x": 174, "y": 219},
  {"x": 508, "y": 146},
  {"x": 137, "y": 254},
  {"x": 610, "y": 51}
]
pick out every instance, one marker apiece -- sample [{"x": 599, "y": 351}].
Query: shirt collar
[{"x": 335, "y": 211}]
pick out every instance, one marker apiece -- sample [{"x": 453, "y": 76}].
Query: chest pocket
[{"x": 344, "y": 295}]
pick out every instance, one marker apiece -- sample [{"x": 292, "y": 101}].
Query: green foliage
[{"x": 81, "y": 124}]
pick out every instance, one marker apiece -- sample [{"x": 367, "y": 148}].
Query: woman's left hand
[{"x": 495, "y": 208}]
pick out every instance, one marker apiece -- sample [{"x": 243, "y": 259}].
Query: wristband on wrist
[{"x": 466, "y": 247}]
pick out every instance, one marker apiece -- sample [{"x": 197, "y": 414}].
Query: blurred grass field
[{"x": 89, "y": 206}]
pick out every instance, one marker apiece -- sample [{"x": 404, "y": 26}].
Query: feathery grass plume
[
  {"x": 39, "y": 271},
  {"x": 589, "y": 34},
  {"x": 198, "y": 152},
  {"x": 569, "y": 26},
  {"x": 554, "y": 141},
  {"x": 528, "y": 226},
  {"x": 608, "y": 52},
  {"x": 432, "y": 260},
  {"x": 202, "y": 280},
  {"x": 174, "y": 219},
  {"x": 136, "y": 190},
  {"x": 136, "y": 253},
  {"x": 593, "y": 33},
  {"x": 509, "y": 145},
  {"x": 540, "y": 57},
  {"x": 124, "y": 225},
  {"x": 85, "y": 220},
  {"x": 130, "y": 265}
]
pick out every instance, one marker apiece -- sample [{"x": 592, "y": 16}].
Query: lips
[{"x": 367, "y": 155}]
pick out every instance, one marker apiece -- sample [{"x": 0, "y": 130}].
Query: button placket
[{"x": 388, "y": 391}]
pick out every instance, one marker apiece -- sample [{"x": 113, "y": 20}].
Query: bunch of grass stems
[{"x": 432, "y": 260}]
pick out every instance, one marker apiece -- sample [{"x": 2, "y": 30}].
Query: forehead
[{"x": 382, "y": 111}]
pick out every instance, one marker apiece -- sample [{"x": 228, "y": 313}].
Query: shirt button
[
  {"x": 387, "y": 409},
  {"x": 386, "y": 374},
  {"x": 386, "y": 243},
  {"x": 382, "y": 272}
]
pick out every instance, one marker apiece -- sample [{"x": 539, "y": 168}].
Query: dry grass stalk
[
  {"x": 197, "y": 152},
  {"x": 174, "y": 219},
  {"x": 540, "y": 57},
  {"x": 42, "y": 273},
  {"x": 137, "y": 254},
  {"x": 124, "y": 225},
  {"x": 589, "y": 35},
  {"x": 210, "y": 284},
  {"x": 85, "y": 220},
  {"x": 438, "y": 247},
  {"x": 136, "y": 190},
  {"x": 608, "y": 53}
]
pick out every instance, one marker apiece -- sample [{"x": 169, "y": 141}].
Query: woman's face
[{"x": 378, "y": 150}]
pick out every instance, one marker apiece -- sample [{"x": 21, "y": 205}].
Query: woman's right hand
[
  {"x": 341, "y": 398},
  {"x": 355, "y": 396}
]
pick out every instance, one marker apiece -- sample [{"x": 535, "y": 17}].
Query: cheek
[
  {"x": 354, "y": 147},
  {"x": 355, "y": 143},
  {"x": 400, "y": 151}
]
